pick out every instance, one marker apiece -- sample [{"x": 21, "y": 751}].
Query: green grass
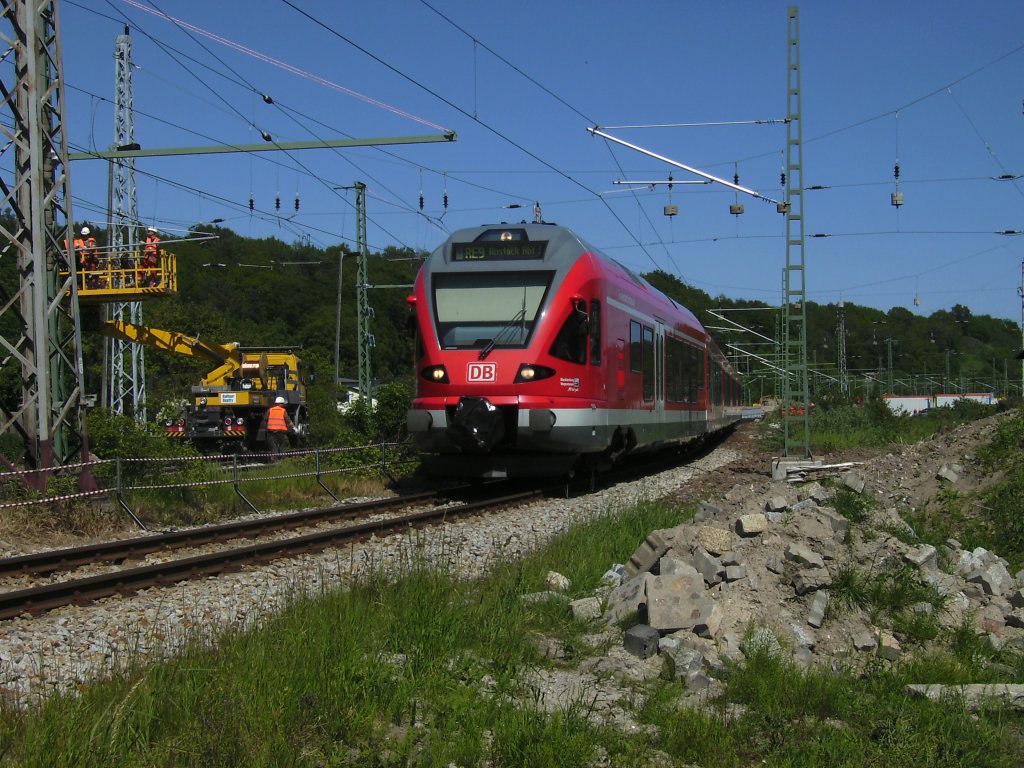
[
  {"x": 991, "y": 518},
  {"x": 428, "y": 670},
  {"x": 844, "y": 426}
]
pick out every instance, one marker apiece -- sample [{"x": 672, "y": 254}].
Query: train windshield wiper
[{"x": 506, "y": 332}]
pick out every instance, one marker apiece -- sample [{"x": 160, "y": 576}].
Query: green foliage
[
  {"x": 855, "y": 507},
  {"x": 990, "y": 518},
  {"x": 428, "y": 669},
  {"x": 112, "y": 436},
  {"x": 895, "y": 596}
]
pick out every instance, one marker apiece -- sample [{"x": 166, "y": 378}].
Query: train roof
[{"x": 524, "y": 246}]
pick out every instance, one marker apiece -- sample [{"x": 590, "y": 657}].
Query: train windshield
[{"x": 488, "y": 309}]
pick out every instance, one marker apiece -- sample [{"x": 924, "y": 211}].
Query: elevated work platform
[{"x": 130, "y": 276}]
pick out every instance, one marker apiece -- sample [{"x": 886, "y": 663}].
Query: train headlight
[
  {"x": 435, "y": 373},
  {"x": 202, "y": 401},
  {"x": 528, "y": 372}
]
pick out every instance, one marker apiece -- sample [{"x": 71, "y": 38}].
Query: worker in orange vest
[
  {"x": 279, "y": 426},
  {"x": 79, "y": 259},
  {"x": 149, "y": 275},
  {"x": 88, "y": 258}
]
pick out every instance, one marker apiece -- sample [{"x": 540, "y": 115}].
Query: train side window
[
  {"x": 571, "y": 342},
  {"x": 595, "y": 332},
  {"x": 698, "y": 374},
  {"x": 648, "y": 363},
  {"x": 677, "y": 370},
  {"x": 636, "y": 363}
]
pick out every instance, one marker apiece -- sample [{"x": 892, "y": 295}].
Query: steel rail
[
  {"x": 69, "y": 558},
  {"x": 38, "y": 600}
]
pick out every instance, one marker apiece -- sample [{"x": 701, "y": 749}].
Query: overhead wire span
[
  {"x": 250, "y": 86},
  {"x": 769, "y": 121},
  {"x": 564, "y": 174},
  {"x": 283, "y": 65}
]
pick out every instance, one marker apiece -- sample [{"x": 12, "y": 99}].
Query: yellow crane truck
[{"x": 228, "y": 410}]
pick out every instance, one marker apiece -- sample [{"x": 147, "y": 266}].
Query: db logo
[{"x": 486, "y": 373}]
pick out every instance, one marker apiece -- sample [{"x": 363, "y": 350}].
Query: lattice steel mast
[
  {"x": 39, "y": 320},
  {"x": 365, "y": 339},
  {"x": 796, "y": 393},
  {"x": 127, "y": 377}
]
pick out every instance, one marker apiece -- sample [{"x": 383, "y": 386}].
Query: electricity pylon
[{"x": 40, "y": 329}]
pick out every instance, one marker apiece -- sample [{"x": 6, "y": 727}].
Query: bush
[{"x": 113, "y": 436}]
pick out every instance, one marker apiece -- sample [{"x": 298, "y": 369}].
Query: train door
[
  {"x": 620, "y": 369},
  {"x": 659, "y": 372}
]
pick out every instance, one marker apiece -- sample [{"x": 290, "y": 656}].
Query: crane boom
[{"x": 227, "y": 355}]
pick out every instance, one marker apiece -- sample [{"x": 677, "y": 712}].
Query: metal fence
[{"x": 129, "y": 475}]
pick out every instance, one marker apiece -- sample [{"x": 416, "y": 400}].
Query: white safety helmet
[
  {"x": 152, "y": 229},
  {"x": 85, "y": 230},
  {"x": 279, "y": 400}
]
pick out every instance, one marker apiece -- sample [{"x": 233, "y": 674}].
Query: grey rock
[
  {"x": 714, "y": 540},
  {"x": 1016, "y": 598},
  {"x": 627, "y": 598},
  {"x": 686, "y": 659},
  {"x": 710, "y": 620},
  {"x": 774, "y": 565},
  {"x": 731, "y": 558},
  {"x": 804, "y": 556},
  {"x": 676, "y": 602},
  {"x": 811, "y": 580},
  {"x": 615, "y": 575},
  {"x": 735, "y": 572},
  {"x": 925, "y": 556},
  {"x": 974, "y": 695},
  {"x": 752, "y": 525},
  {"x": 854, "y": 482},
  {"x": 994, "y": 579},
  {"x": 839, "y": 524},
  {"x": 671, "y": 566},
  {"x": 820, "y": 494},
  {"x": 698, "y": 681},
  {"x": 947, "y": 474},
  {"x": 776, "y": 504},
  {"x": 819, "y": 604},
  {"x": 706, "y": 510},
  {"x": 923, "y": 609},
  {"x": 586, "y": 608},
  {"x": 641, "y": 640},
  {"x": 647, "y": 554},
  {"x": 710, "y": 567},
  {"x": 556, "y": 582},
  {"x": 804, "y": 637},
  {"x": 865, "y": 641}
]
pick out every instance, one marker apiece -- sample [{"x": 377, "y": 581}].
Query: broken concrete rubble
[{"x": 754, "y": 564}]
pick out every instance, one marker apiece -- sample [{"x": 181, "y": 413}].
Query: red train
[{"x": 537, "y": 355}]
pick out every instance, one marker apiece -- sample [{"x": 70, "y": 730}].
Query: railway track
[
  {"x": 40, "y": 599},
  {"x": 52, "y": 561}
]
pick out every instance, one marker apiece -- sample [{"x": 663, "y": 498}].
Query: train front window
[{"x": 487, "y": 309}]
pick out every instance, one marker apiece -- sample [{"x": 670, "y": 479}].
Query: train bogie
[{"x": 535, "y": 354}]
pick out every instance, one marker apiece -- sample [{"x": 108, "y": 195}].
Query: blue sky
[{"x": 936, "y": 86}]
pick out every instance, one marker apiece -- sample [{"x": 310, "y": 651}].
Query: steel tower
[
  {"x": 127, "y": 373},
  {"x": 40, "y": 330},
  {"x": 796, "y": 392}
]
